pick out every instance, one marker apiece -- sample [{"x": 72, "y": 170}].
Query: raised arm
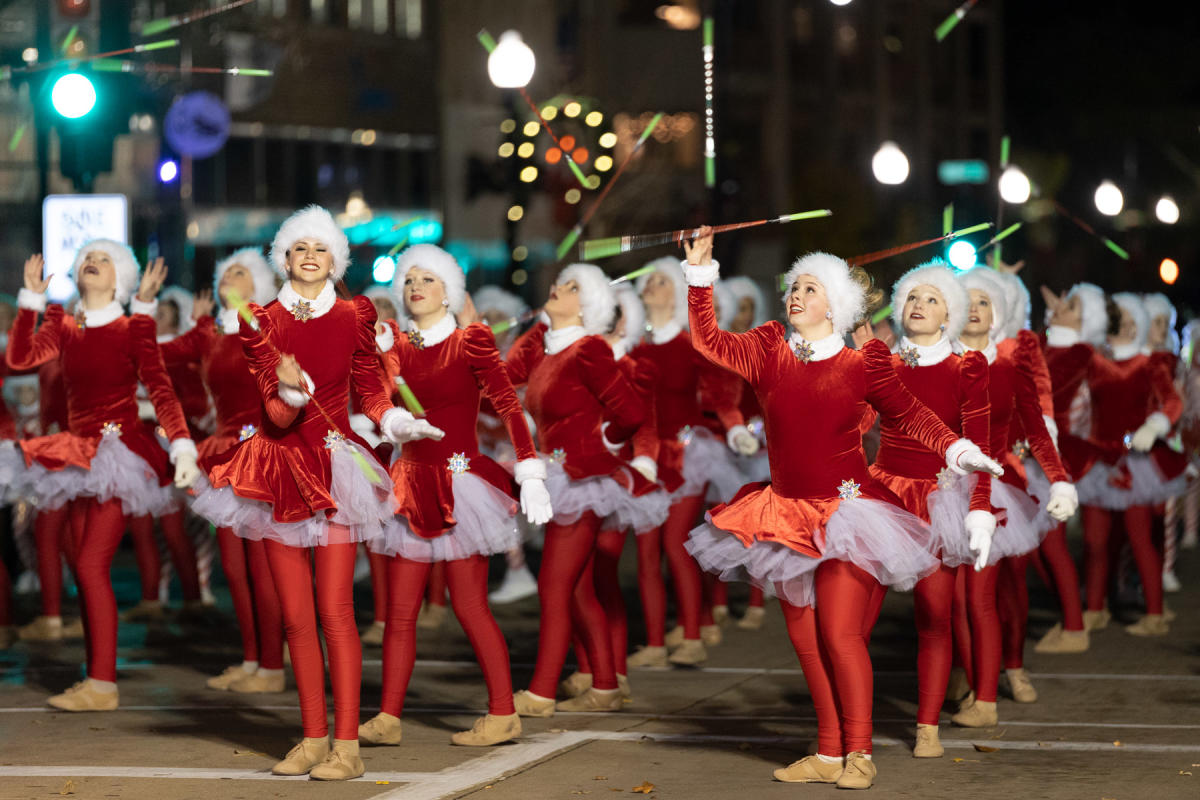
[
  {"x": 27, "y": 348},
  {"x": 976, "y": 413},
  {"x": 189, "y": 348}
]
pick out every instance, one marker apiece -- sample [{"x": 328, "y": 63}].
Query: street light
[
  {"x": 890, "y": 165},
  {"x": 1109, "y": 200},
  {"x": 1014, "y": 186},
  {"x": 73, "y": 95},
  {"x": 962, "y": 255},
  {"x": 1166, "y": 210},
  {"x": 1168, "y": 270},
  {"x": 511, "y": 64}
]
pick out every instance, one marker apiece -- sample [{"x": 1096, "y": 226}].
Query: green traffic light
[{"x": 73, "y": 95}]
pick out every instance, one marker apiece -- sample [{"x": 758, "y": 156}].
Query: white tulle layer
[
  {"x": 888, "y": 543},
  {"x": 610, "y": 501},
  {"x": 485, "y": 525},
  {"x": 1021, "y": 532},
  {"x": 755, "y": 468},
  {"x": 115, "y": 472},
  {"x": 708, "y": 462},
  {"x": 364, "y": 508},
  {"x": 13, "y": 484},
  {"x": 1148, "y": 488},
  {"x": 1036, "y": 481}
]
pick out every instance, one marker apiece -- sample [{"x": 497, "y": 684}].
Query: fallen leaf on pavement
[
  {"x": 646, "y": 788},
  {"x": 1181, "y": 772},
  {"x": 599, "y": 778},
  {"x": 959, "y": 760},
  {"x": 68, "y": 788},
  {"x": 1117, "y": 743},
  {"x": 383, "y": 783},
  {"x": 237, "y": 752},
  {"x": 982, "y": 748}
]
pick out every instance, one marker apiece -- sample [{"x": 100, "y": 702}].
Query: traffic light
[{"x": 73, "y": 95}]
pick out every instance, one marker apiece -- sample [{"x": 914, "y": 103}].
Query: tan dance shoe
[
  {"x": 303, "y": 757},
  {"x": 929, "y": 744},
  {"x": 221, "y": 682},
  {"x": 145, "y": 611},
  {"x": 490, "y": 730},
  {"x": 810, "y": 769},
  {"x": 859, "y": 772},
  {"x": 373, "y": 635},
  {"x": 576, "y": 684},
  {"x": 647, "y": 656},
  {"x": 980, "y": 714},
  {"x": 752, "y": 620},
  {"x": 1021, "y": 687},
  {"x": 42, "y": 629},
  {"x": 530, "y": 705},
  {"x": 431, "y": 616},
  {"x": 720, "y": 614},
  {"x": 74, "y": 629},
  {"x": 710, "y": 635},
  {"x": 958, "y": 687},
  {"x": 689, "y": 654},
  {"x": 84, "y": 696},
  {"x": 261, "y": 682},
  {"x": 1062, "y": 641},
  {"x": 1096, "y": 620},
  {"x": 342, "y": 763},
  {"x": 594, "y": 700},
  {"x": 380, "y": 729},
  {"x": 623, "y": 685},
  {"x": 1149, "y": 625},
  {"x": 674, "y": 637}
]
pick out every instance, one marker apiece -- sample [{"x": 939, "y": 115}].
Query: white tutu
[
  {"x": 708, "y": 462},
  {"x": 362, "y": 507},
  {"x": 1036, "y": 482},
  {"x": 115, "y": 472},
  {"x": 1023, "y": 524},
  {"x": 886, "y": 542},
  {"x": 1148, "y": 488},
  {"x": 605, "y": 497},
  {"x": 13, "y": 483},
  {"x": 485, "y": 525}
]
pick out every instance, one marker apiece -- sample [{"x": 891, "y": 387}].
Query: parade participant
[
  {"x": 212, "y": 346},
  {"x": 456, "y": 505},
  {"x": 1162, "y": 344},
  {"x": 582, "y": 404},
  {"x": 106, "y": 465},
  {"x": 304, "y": 483},
  {"x": 824, "y": 532}
]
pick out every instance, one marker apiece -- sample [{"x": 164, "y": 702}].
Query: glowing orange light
[
  {"x": 567, "y": 142},
  {"x": 1168, "y": 270},
  {"x": 553, "y": 155},
  {"x": 580, "y": 155}
]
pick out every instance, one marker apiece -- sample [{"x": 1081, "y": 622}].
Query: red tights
[
  {"x": 985, "y": 631},
  {"x": 379, "y": 591},
  {"x": 254, "y": 600},
  {"x": 1061, "y": 566},
  {"x": 467, "y": 580},
  {"x": 435, "y": 592},
  {"x": 52, "y": 538},
  {"x": 292, "y": 570},
  {"x": 96, "y": 529},
  {"x": 1097, "y": 526},
  {"x": 684, "y": 572},
  {"x": 565, "y": 597},
  {"x": 756, "y": 597},
  {"x": 602, "y": 571},
  {"x": 183, "y": 554},
  {"x": 831, "y": 644},
  {"x": 1013, "y": 605},
  {"x": 933, "y": 600}
]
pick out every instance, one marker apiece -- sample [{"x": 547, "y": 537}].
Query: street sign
[
  {"x": 70, "y": 220},
  {"x": 968, "y": 171}
]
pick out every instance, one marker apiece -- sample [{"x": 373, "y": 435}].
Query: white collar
[
  {"x": 664, "y": 333},
  {"x": 818, "y": 350},
  {"x": 1124, "y": 352},
  {"x": 619, "y": 349},
  {"x": 289, "y": 297},
  {"x": 229, "y": 321},
  {"x": 989, "y": 351},
  {"x": 561, "y": 339},
  {"x": 438, "y": 333},
  {"x": 1062, "y": 336},
  {"x": 1146, "y": 350},
  {"x": 101, "y": 316},
  {"x": 926, "y": 354},
  {"x": 166, "y": 337}
]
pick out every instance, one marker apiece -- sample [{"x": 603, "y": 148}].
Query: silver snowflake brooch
[
  {"x": 946, "y": 478},
  {"x": 458, "y": 463},
  {"x": 334, "y": 440},
  {"x": 558, "y": 456},
  {"x": 1020, "y": 449},
  {"x": 909, "y": 356},
  {"x": 416, "y": 340},
  {"x": 302, "y": 310},
  {"x": 685, "y": 434},
  {"x": 246, "y": 432},
  {"x": 848, "y": 490},
  {"x": 803, "y": 351},
  {"x": 110, "y": 428}
]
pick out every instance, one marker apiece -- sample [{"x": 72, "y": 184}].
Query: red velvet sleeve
[
  {"x": 524, "y": 354},
  {"x": 1031, "y": 357},
  {"x": 262, "y": 360},
  {"x": 721, "y": 391},
  {"x": 493, "y": 382},
  {"x": 27, "y": 348},
  {"x": 1030, "y": 408},
  {"x": 622, "y": 405},
  {"x": 191, "y": 346},
  {"x": 366, "y": 373},
  {"x": 1165, "y": 397},
  {"x": 976, "y": 412},
  {"x": 890, "y": 397},
  {"x": 741, "y": 353},
  {"x": 645, "y": 440},
  {"x": 153, "y": 375}
]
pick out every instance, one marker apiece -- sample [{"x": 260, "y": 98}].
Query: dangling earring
[
  {"x": 828, "y": 315},
  {"x": 942, "y": 328},
  {"x": 445, "y": 302}
]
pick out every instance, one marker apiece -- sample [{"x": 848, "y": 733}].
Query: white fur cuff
[
  {"x": 701, "y": 275},
  {"x": 136, "y": 306},
  {"x": 645, "y": 465},
  {"x": 294, "y": 397},
  {"x": 31, "y": 301},
  {"x": 980, "y": 521},
  {"x": 611, "y": 446},
  {"x": 386, "y": 340},
  {"x": 1159, "y": 422},
  {"x": 1065, "y": 490},
  {"x": 529, "y": 468},
  {"x": 734, "y": 432},
  {"x": 955, "y": 451},
  {"x": 185, "y": 446},
  {"x": 393, "y": 416}
]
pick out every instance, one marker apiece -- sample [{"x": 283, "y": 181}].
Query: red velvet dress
[
  {"x": 686, "y": 382},
  {"x": 822, "y": 502},
  {"x": 571, "y": 394},
  {"x": 1068, "y": 365},
  {"x": 299, "y": 471},
  {"x": 106, "y": 452},
  {"x": 652, "y": 509},
  {"x": 955, "y": 388},
  {"x": 1124, "y": 394},
  {"x": 454, "y": 501}
]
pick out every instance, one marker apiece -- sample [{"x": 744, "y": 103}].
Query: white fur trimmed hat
[
  {"x": 726, "y": 304},
  {"x": 743, "y": 287},
  {"x": 633, "y": 312},
  {"x": 434, "y": 259},
  {"x": 847, "y": 300},
  {"x": 125, "y": 265},
  {"x": 1093, "y": 312},
  {"x": 597, "y": 303},
  {"x": 184, "y": 301},
  {"x": 940, "y": 276},
  {"x": 989, "y": 281},
  {"x": 1018, "y": 306},
  {"x": 669, "y": 266},
  {"x": 493, "y": 298},
  {"x": 1157, "y": 305},
  {"x": 1132, "y": 305},
  {"x": 311, "y": 222},
  {"x": 260, "y": 272}
]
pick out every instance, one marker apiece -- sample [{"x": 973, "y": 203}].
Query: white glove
[
  {"x": 981, "y": 526},
  {"x": 535, "y": 501},
  {"x": 646, "y": 466},
  {"x": 1064, "y": 501},
  {"x": 399, "y": 426},
  {"x": 741, "y": 440},
  {"x": 609, "y": 446},
  {"x": 1156, "y": 425},
  {"x": 964, "y": 456},
  {"x": 186, "y": 470}
]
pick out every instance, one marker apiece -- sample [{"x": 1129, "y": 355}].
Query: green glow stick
[
  {"x": 254, "y": 73},
  {"x": 880, "y": 315},
  {"x": 630, "y": 276},
  {"x": 235, "y": 299},
  {"x": 948, "y": 24},
  {"x": 879, "y": 255},
  {"x": 158, "y": 26},
  {"x": 486, "y": 40},
  {"x": 399, "y": 244},
  {"x": 410, "y": 399},
  {"x": 71, "y": 34},
  {"x": 566, "y": 244},
  {"x": 612, "y": 245},
  {"x": 1111, "y": 245},
  {"x": 947, "y": 219},
  {"x": 166, "y": 23},
  {"x": 983, "y": 226},
  {"x": 17, "y": 136},
  {"x": 1001, "y": 236},
  {"x": 160, "y": 45},
  {"x": 649, "y": 129},
  {"x": 365, "y": 466},
  {"x": 710, "y": 139},
  {"x": 1005, "y": 146}
]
